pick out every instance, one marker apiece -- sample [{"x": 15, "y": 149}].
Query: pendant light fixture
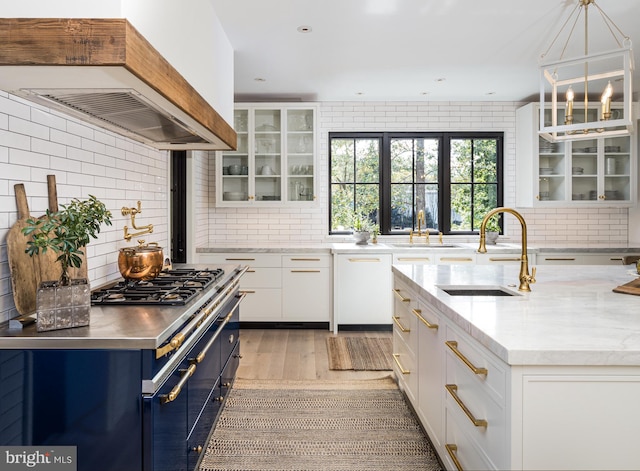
[{"x": 576, "y": 93}]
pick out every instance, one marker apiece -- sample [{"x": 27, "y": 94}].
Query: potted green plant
[
  {"x": 363, "y": 227},
  {"x": 65, "y": 303},
  {"x": 492, "y": 231}
]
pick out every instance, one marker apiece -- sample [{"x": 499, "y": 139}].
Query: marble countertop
[{"x": 570, "y": 317}]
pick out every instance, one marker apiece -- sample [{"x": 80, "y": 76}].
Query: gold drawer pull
[
  {"x": 364, "y": 259},
  {"x": 616, "y": 259},
  {"x": 240, "y": 259},
  {"x": 418, "y": 314},
  {"x": 452, "y": 388},
  {"x": 452, "y": 450},
  {"x": 414, "y": 259},
  {"x": 396, "y": 359},
  {"x": 305, "y": 271},
  {"x": 453, "y": 345},
  {"x": 247, "y": 291},
  {"x": 456, "y": 259},
  {"x": 504, "y": 259},
  {"x": 560, "y": 259},
  {"x": 402, "y": 298},
  {"x": 305, "y": 259},
  {"x": 396, "y": 319}
]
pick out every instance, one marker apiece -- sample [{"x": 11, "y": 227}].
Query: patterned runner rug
[
  {"x": 318, "y": 429},
  {"x": 360, "y": 353}
]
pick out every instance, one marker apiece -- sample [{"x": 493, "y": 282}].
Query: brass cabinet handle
[
  {"x": 402, "y": 298},
  {"x": 305, "y": 271},
  {"x": 247, "y": 291},
  {"x": 505, "y": 259},
  {"x": 616, "y": 259},
  {"x": 364, "y": 259},
  {"x": 451, "y": 450},
  {"x": 453, "y": 390},
  {"x": 456, "y": 259},
  {"x": 453, "y": 345},
  {"x": 418, "y": 314},
  {"x": 396, "y": 319},
  {"x": 414, "y": 259},
  {"x": 397, "y": 360},
  {"x": 240, "y": 259},
  {"x": 175, "y": 392},
  {"x": 560, "y": 259},
  {"x": 305, "y": 259},
  {"x": 251, "y": 271}
]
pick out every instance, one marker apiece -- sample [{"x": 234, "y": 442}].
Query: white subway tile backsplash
[{"x": 86, "y": 160}]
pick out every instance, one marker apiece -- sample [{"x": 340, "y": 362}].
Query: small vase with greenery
[
  {"x": 363, "y": 228},
  {"x": 67, "y": 231},
  {"x": 492, "y": 231}
]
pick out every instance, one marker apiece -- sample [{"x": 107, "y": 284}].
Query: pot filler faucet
[{"x": 525, "y": 278}]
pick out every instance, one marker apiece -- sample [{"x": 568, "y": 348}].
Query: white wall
[
  {"x": 86, "y": 161},
  {"x": 546, "y": 227}
]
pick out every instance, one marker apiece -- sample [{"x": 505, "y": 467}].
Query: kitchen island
[
  {"x": 543, "y": 380},
  {"x": 138, "y": 389}
]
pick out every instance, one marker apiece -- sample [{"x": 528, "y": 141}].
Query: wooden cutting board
[
  {"x": 21, "y": 265},
  {"x": 47, "y": 268},
  {"x": 633, "y": 287}
]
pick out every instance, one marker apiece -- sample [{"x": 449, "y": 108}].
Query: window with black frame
[{"x": 454, "y": 179}]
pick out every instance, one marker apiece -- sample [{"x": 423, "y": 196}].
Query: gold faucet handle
[
  {"x": 426, "y": 236},
  {"x": 530, "y": 279},
  {"x": 440, "y": 237},
  {"x": 411, "y": 237}
]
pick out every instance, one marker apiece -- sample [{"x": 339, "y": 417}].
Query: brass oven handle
[
  {"x": 402, "y": 298},
  {"x": 396, "y": 319},
  {"x": 396, "y": 359},
  {"x": 452, "y": 450},
  {"x": 418, "y": 314},
  {"x": 200, "y": 356},
  {"x": 452, "y": 388},
  {"x": 453, "y": 345},
  {"x": 175, "y": 392},
  {"x": 180, "y": 337}
]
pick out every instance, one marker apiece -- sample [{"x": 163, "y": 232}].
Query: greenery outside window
[{"x": 454, "y": 178}]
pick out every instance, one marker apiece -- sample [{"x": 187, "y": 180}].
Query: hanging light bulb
[
  {"x": 606, "y": 101},
  {"x": 568, "y": 114}
]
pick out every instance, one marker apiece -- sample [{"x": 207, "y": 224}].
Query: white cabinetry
[
  {"x": 405, "y": 340},
  {"x": 306, "y": 288},
  {"x": 361, "y": 289},
  {"x": 597, "y": 171},
  {"x": 275, "y": 162}
]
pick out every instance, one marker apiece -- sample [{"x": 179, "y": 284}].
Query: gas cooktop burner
[{"x": 170, "y": 287}]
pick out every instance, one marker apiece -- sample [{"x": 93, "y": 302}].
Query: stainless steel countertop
[{"x": 117, "y": 327}]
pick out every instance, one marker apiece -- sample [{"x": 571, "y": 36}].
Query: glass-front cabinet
[
  {"x": 275, "y": 162},
  {"x": 596, "y": 170}
]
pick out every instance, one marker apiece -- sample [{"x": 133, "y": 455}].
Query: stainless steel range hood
[{"x": 104, "y": 72}]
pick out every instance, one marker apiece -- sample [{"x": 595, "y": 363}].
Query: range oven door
[{"x": 180, "y": 415}]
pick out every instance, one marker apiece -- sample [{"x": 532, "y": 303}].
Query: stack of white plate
[{"x": 546, "y": 170}]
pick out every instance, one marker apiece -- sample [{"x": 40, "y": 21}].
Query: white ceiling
[{"x": 399, "y": 49}]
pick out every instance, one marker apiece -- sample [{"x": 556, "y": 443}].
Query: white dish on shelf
[{"x": 546, "y": 171}]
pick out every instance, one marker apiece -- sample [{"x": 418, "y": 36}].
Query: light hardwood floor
[{"x": 295, "y": 354}]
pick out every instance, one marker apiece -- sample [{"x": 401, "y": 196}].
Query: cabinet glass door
[
  {"x": 268, "y": 155},
  {"x": 300, "y": 154},
  {"x": 584, "y": 170},
  {"x": 235, "y": 164},
  {"x": 617, "y": 169},
  {"x": 551, "y": 172}
]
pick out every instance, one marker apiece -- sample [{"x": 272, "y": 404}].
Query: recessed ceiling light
[
  {"x": 491, "y": 93},
  {"x": 304, "y": 29},
  {"x": 441, "y": 79},
  {"x": 260, "y": 79},
  {"x": 424, "y": 93}
]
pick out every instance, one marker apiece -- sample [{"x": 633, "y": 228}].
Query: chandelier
[{"x": 579, "y": 91}]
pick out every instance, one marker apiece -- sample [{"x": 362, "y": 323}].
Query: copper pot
[{"x": 140, "y": 263}]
